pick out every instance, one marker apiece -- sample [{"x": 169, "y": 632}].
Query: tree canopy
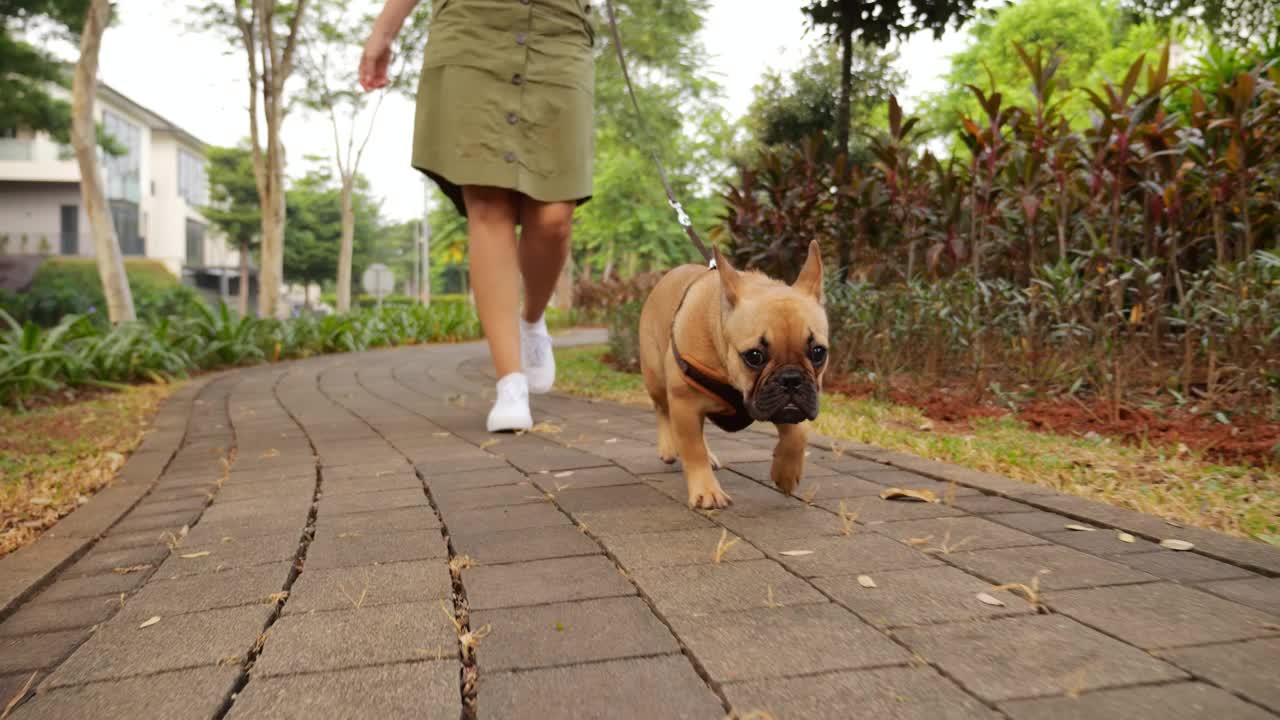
[{"x": 31, "y": 72}]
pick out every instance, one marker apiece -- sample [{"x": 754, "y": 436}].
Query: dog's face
[{"x": 776, "y": 336}]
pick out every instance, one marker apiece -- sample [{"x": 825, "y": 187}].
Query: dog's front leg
[
  {"x": 788, "y": 457},
  {"x": 704, "y": 489}
]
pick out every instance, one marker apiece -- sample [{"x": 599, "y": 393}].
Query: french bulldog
[{"x": 735, "y": 347}]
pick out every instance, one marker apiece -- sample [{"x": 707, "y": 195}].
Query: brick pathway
[{"x": 349, "y": 520}]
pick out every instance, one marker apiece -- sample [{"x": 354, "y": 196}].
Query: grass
[
  {"x": 53, "y": 458},
  {"x": 1174, "y": 484}
]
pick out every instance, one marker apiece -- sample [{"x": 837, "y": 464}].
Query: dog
[{"x": 736, "y": 347}]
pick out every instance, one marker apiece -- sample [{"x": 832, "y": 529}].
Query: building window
[
  {"x": 124, "y": 172},
  {"x": 193, "y": 184},
  {"x": 125, "y": 217},
  {"x": 195, "y": 244},
  {"x": 70, "y": 230}
]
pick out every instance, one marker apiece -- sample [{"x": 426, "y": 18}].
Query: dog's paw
[
  {"x": 786, "y": 476},
  {"x": 708, "y": 495}
]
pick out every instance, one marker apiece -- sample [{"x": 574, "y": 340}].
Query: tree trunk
[
  {"x": 244, "y": 278},
  {"x": 346, "y": 246},
  {"x": 115, "y": 285},
  {"x": 846, "y": 88},
  {"x": 271, "y": 272}
]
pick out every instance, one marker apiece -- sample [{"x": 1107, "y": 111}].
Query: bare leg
[
  {"x": 543, "y": 249},
  {"x": 491, "y": 232},
  {"x": 788, "y": 457}
]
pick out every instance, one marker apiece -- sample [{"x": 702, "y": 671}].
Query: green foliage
[
  {"x": 1235, "y": 23},
  {"x": 79, "y": 352},
  {"x": 880, "y": 21},
  {"x": 314, "y": 227},
  {"x": 65, "y": 286},
  {"x": 233, "y": 194},
  {"x": 29, "y": 70}
]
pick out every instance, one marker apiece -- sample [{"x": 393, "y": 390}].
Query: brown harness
[{"x": 711, "y": 383}]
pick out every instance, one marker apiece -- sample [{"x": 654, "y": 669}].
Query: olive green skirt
[{"x": 505, "y": 99}]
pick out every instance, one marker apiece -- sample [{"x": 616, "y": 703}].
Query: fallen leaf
[
  {"x": 909, "y": 495},
  {"x": 610, "y": 441},
  {"x": 441, "y": 434},
  {"x": 131, "y": 569},
  {"x": 919, "y": 541},
  {"x": 866, "y": 581},
  {"x": 564, "y": 474},
  {"x": 559, "y": 627},
  {"x": 488, "y": 444},
  {"x": 990, "y": 600},
  {"x": 149, "y": 622},
  {"x": 796, "y": 553},
  {"x": 194, "y": 555},
  {"x": 41, "y": 501},
  {"x": 1174, "y": 544},
  {"x": 603, "y": 421},
  {"x": 925, "y": 426},
  {"x": 1079, "y": 528},
  {"x": 1125, "y": 537}
]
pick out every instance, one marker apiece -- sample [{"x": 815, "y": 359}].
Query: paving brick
[
  {"x": 989, "y": 504},
  {"x": 761, "y": 470},
  {"x": 420, "y": 690},
  {"x": 372, "y": 501},
  {"x": 1104, "y": 543},
  {"x": 388, "y": 521},
  {"x": 227, "y": 553},
  {"x": 657, "y": 518},
  {"x": 570, "y": 633},
  {"x": 578, "y": 500},
  {"x": 779, "y": 525},
  {"x": 369, "y": 585},
  {"x": 367, "y": 470},
  {"x": 267, "y": 523},
  {"x": 749, "y": 497},
  {"x": 110, "y": 584},
  {"x": 300, "y": 487},
  {"x": 140, "y": 538},
  {"x": 494, "y": 472},
  {"x": 341, "y": 639},
  {"x": 1039, "y": 521},
  {"x": 846, "y": 555},
  {"x": 24, "y": 654},
  {"x": 512, "y": 517},
  {"x": 335, "y": 551},
  {"x": 873, "y": 509},
  {"x": 1033, "y": 656},
  {"x": 645, "y": 689},
  {"x": 1181, "y": 701},
  {"x": 407, "y": 480},
  {"x": 1247, "y": 668},
  {"x": 898, "y": 693},
  {"x": 958, "y": 533},
  {"x": 199, "y": 593},
  {"x": 543, "y": 581},
  {"x": 705, "y": 589},
  {"x": 1261, "y": 593},
  {"x": 646, "y": 463},
  {"x": 906, "y": 480},
  {"x": 553, "y": 459},
  {"x": 12, "y": 686},
  {"x": 493, "y": 548},
  {"x": 759, "y": 644},
  {"x": 1058, "y": 568},
  {"x": 121, "y": 649},
  {"x": 197, "y": 693},
  {"x": 106, "y": 561},
  {"x": 920, "y": 596},
  {"x": 606, "y": 476},
  {"x": 679, "y": 547},
  {"x": 41, "y": 616},
  {"x": 455, "y": 501},
  {"x": 1162, "y": 615},
  {"x": 1184, "y": 567},
  {"x": 150, "y": 506}
]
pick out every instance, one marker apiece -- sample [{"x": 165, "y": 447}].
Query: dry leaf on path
[
  {"x": 1125, "y": 537},
  {"x": 1079, "y": 528},
  {"x": 564, "y": 474},
  {"x": 866, "y": 581},
  {"x": 1174, "y": 544},
  {"x": 990, "y": 600},
  {"x": 488, "y": 444},
  {"x": 894, "y": 493},
  {"x": 441, "y": 434},
  {"x": 149, "y": 622},
  {"x": 194, "y": 555},
  {"x": 796, "y": 553}
]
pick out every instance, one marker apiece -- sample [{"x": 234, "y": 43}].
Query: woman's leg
[
  {"x": 544, "y": 247},
  {"x": 491, "y": 233}
]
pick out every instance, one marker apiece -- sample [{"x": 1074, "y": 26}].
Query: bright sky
[{"x": 197, "y": 81}]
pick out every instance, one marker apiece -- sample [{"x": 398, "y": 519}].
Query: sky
[{"x": 196, "y": 80}]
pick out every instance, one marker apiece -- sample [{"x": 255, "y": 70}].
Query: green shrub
[{"x": 71, "y": 286}]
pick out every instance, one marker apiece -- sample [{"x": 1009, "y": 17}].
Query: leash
[{"x": 681, "y": 216}]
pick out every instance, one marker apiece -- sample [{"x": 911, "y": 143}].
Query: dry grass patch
[{"x": 53, "y": 458}]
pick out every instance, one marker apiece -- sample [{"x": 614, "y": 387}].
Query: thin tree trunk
[
  {"x": 115, "y": 285},
  {"x": 346, "y": 247},
  {"x": 244, "y": 278},
  {"x": 846, "y": 88}
]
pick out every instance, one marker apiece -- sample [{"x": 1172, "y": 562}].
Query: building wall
[{"x": 34, "y": 209}]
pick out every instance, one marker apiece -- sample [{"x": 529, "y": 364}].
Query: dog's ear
[
  {"x": 809, "y": 281},
  {"x": 729, "y": 278}
]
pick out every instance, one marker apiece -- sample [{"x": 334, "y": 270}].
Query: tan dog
[{"x": 746, "y": 348}]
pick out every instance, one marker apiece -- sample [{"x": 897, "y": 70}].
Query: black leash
[{"x": 681, "y": 216}]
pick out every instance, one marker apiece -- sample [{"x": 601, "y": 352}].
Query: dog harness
[{"x": 711, "y": 383}]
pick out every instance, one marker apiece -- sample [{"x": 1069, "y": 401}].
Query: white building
[{"x": 155, "y": 190}]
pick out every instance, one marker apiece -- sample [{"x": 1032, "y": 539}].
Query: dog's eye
[
  {"x": 817, "y": 354},
  {"x": 755, "y": 359}
]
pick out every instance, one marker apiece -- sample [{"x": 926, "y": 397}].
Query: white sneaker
[
  {"x": 511, "y": 408},
  {"x": 535, "y": 351}
]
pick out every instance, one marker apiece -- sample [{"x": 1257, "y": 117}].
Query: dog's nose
[{"x": 791, "y": 379}]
